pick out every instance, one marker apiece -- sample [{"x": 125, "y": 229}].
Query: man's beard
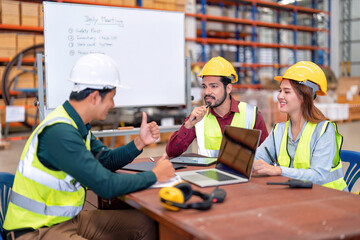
[{"x": 216, "y": 104}]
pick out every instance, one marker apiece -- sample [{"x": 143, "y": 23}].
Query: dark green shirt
[{"x": 62, "y": 147}]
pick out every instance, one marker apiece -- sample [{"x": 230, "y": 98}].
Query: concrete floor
[{"x": 9, "y": 158}]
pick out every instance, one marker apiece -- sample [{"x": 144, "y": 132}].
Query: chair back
[
  {"x": 352, "y": 173},
  {"x": 6, "y": 183}
]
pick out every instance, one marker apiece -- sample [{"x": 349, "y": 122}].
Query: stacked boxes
[
  {"x": 41, "y": 16},
  {"x": 171, "y": 5},
  {"x": 9, "y": 12},
  {"x": 24, "y": 41},
  {"x": 180, "y": 5},
  {"x": 29, "y": 14},
  {"x": 25, "y": 78},
  {"x": 148, "y": 3},
  {"x": 129, "y": 3},
  {"x": 39, "y": 39},
  {"x": 13, "y": 43},
  {"x": 7, "y": 44},
  {"x": 21, "y": 13}
]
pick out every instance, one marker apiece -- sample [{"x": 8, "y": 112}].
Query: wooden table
[{"x": 255, "y": 210}]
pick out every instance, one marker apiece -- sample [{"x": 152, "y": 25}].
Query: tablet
[
  {"x": 146, "y": 166},
  {"x": 194, "y": 161}
]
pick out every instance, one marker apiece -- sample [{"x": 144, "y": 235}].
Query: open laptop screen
[{"x": 237, "y": 150}]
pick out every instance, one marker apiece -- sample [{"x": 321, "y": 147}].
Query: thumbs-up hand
[{"x": 149, "y": 133}]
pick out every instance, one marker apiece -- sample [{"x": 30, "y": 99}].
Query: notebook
[
  {"x": 234, "y": 162},
  {"x": 194, "y": 161},
  {"x": 147, "y": 166}
]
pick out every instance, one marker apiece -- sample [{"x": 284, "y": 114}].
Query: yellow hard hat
[
  {"x": 309, "y": 74},
  {"x": 218, "y": 66}
]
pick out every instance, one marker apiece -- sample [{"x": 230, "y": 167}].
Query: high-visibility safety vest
[
  {"x": 40, "y": 196},
  {"x": 304, "y": 148},
  {"x": 208, "y": 131}
]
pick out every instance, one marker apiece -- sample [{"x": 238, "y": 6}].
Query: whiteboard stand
[
  {"x": 188, "y": 85},
  {"x": 111, "y": 133},
  {"x": 41, "y": 106}
]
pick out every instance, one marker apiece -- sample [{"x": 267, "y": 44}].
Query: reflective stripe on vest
[
  {"x": 43, "y": 197},
  {"x": 303, "y": 151},
  {"x": 208, "y": 131}
]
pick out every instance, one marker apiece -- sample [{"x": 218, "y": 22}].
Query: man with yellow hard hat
[{"x": 206, "y": 123}]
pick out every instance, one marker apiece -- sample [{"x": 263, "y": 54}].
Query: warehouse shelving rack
[{"x": 210, "y": 38}]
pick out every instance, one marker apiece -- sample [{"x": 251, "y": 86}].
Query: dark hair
[
  {"x": 310, "y": 112},
  {"x": 225, "y": 80},
  {"x": 79, "y": 96}
]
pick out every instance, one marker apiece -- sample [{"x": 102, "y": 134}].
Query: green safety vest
[
  {"x": 208, "y": 131},
  {"x": 40, "y": 196},
  {"x": 303, "y": 152}
]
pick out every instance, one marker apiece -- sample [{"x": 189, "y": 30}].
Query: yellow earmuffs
[{"x": 174, "y": 198}]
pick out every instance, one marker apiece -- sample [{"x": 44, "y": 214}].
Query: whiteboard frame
[
  {"x": 41, "y": 98},
  {"x": 57, "y": 90}
]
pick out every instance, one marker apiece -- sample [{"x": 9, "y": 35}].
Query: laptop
[
  {"x": 234, "y": 162},
  {"x": 194, "y": 160}
]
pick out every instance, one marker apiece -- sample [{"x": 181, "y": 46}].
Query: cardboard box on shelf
[
  {"x": 10, "y": 7},
  {"x": 25, "y": 79},
  {"x": 180, "y": 8},
  {"x": 7, "y": 45},
  {"x": 346, "y": 83},
  {"x": 2, "y": 69},
  {"x": 169, "y": 6},
  {"x": 342, "y": 98},
  {"x": 148, "y": 3},
  {"x": 32, "y": 21},
  {"x": 102, "y": 1},
  {"x": 159, "y": 5},
  {"x": 29, "y": 13},
  {"x": 8, "y": 52},
  {"x": 129, "y": 3},
  {"x": 87, "y": 1},
  {"x": 24, "y": 41},
  {"x": 9, "y": 12},
  {"x": 41, "y": 16},
  {"x": 39, "y": 39},
  {"x": 165, "y": 137},
  {"x": 116, "y": 2},
  {"x": 7, "y": 19},
  {"x": 180, "y": 2},
  {"x": 8, "y": 40},
  {"x": 29, "y": 9}
]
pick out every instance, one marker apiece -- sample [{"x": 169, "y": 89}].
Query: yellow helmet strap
[{"x": 311, "y": 85}]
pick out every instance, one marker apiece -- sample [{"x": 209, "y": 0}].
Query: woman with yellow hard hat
[{"x": 307, "y": 146}]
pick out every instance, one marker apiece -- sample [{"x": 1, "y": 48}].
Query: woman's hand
[{"x": 263, "y": 168}]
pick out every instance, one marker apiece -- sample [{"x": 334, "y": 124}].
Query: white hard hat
[{"x": 96, "y": 71}]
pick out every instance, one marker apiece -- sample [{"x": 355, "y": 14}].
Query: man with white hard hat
[{"x": 62, "y": 158}]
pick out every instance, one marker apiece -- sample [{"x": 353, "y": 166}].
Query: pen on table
[
  {"x": 274, "y": 163},
  {"x": 152, "y": 159},
  {"x": 208, "y": 105},
  {"x": 98, "y": 155}
]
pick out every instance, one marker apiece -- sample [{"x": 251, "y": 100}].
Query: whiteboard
[{"x": 148, "y": 46}]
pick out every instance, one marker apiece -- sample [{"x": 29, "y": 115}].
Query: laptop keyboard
[{"x": 216, "y": 175}]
